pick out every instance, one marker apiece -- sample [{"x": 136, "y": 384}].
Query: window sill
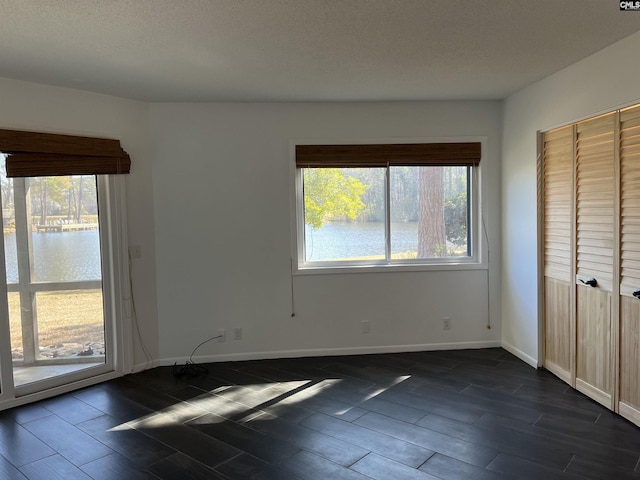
[{"x": 333, "y": 269}]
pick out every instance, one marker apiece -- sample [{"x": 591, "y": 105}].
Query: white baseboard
[
  {"x": 325, "y": 352},
  {"x": 520, "y": 354},
  {"x": 140, "y": 367}
]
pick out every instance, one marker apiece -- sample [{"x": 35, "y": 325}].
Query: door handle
[
  {"x": 592, "y": 282},
  {"x": 637, "y": 293}
]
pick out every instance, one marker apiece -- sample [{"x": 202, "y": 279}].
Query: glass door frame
[{"x": 116, "y": 297}]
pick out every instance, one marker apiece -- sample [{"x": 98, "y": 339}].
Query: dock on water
[{"x": 66, "y": 227}]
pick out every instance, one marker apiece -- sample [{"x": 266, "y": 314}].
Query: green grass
[{"x": 73, "y": 316}]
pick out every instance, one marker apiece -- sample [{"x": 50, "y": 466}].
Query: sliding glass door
[{"x": 59, "y": 293}]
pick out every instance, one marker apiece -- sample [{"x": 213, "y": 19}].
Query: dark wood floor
[{"x": 472, "y": 414}]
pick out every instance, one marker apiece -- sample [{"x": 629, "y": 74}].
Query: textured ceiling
[{"x": 302, "y": 50}]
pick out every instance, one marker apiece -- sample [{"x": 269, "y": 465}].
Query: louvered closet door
[
  {"x": 629, "y": 405},
  {"x": 595, "y": 225},
  {"x": 558, "y": 252}
]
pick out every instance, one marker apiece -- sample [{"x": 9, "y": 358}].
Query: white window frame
[{"x": 477, "y": 234}]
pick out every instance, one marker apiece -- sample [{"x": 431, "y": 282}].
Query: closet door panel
[
  {"x": 595, "y": 256},
  {"x": 593, "y": 361},
  {"x": 629, "y": 404},
  {"x": 630, "y": 358},
  {"x": 557, "y": 214},
  {"x": 558, "y": 331}
]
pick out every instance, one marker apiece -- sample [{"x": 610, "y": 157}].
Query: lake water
[
  {"x": 348, "y": 240},
  {"x": 73, "y": 256},
  {"x": 58, "y": 257}
]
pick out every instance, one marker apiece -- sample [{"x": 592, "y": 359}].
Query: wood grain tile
[
  {"x": 19, "y": 446},
  {"x": 54, "y": 467},
  {"x": 8, "y": 471},
  {"x": 24, "y": 413},
  {"x": 472, "y": 414},
  {"x": 328, "y": 447},
  {"x": 189, "y": 441},
  {"x": 71, "y": 409},
  {"x": 590, "y": 468},
  {"x": 264, "y": 447},
  {"x": 125, "y": 440},
  {"x": 516, "y": 467},
  {"x": 312, "y": 467},
  {"x": 580, "y": 445},
  {"x": 70, "y": 442},
  {"x": 475, "y": 453},
  {"x": 448, "y": 468},
  {"x": 180, "y": 467},
  {"x": 388, "y": 446},
  {"x": 502, "y": 439},
  {"x": 242, "y": 467},
  {"x": 381, "y": 468},
  {"x": 116, "y": 467}
]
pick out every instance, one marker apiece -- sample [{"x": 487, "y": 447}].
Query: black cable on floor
[{"x": 190, "y": 368}]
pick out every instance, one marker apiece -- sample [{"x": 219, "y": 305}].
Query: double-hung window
[{"x": 386, "y": 204}]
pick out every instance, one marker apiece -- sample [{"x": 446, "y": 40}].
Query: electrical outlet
[
  {"x": 446, "y": 323},
  {"x": 135, "y": 251},
  {"x": 222, "y": 334},
  {"x": 366, "y": 326},
  {"x": 237, "y": 333}
]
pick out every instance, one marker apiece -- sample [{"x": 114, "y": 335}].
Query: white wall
[
  {"x": 602, "y": 82},
  {"x": 28, "y": 106},
  {"x": 222, "y": 188}
]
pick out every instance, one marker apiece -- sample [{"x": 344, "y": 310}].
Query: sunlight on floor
[
  {"x": 380, "y": 390},
  {"x": 245, "y": 402}
]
